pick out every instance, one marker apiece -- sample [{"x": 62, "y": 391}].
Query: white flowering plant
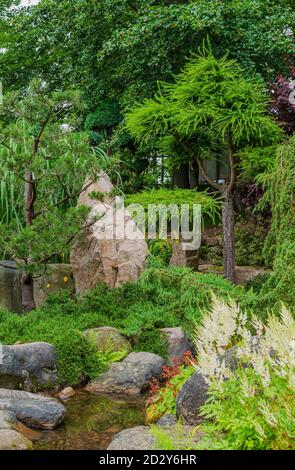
[{"x": 251, "y": 406}]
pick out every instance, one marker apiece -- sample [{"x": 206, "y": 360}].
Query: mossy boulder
[{"x": 107, "y": 339}]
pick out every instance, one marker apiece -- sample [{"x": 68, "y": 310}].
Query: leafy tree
[
  {"x": 210, "y": 110},
  {"x": 118, "y": 49},
  {"x": 157, "y": 43},
  {"x": 41, "y": 150}
]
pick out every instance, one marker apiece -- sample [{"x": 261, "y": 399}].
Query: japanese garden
[{"x": 147, "y": 225}]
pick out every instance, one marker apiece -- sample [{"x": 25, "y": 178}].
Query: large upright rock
[{"x": 113, "y": 249}]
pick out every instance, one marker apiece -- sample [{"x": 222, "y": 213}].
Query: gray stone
[
  {"x": 10, "y": 286},
  {"x": 35, "y": 356},
  {"x": 194, "y": 392},
  {"x": 138, "y": 438},
  {"x": 182, "y": 256},
  {"x": 178, "y": 344},
  {"x": 10, "y": 370},
  {"x": 191, "y": 397},
  {"x": 13, "y": 440},
  {"x": 108, "y": 252},
  {"x": 10, "y": 439},
  {"x": 129, "y": 377},
  {"x": 39, "y": 361},
  {"x": 107, "y": 339},
  {"x": 21, "y": 395},
  {"x": 33, "y": 410},
  {"x": 58, "y": 277},
  {"x": 167, "y": 420},
  {"x": 142, "y": 438},
  {"x": 38, "y": 414}
]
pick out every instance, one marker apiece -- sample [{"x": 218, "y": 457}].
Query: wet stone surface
[{"x": 91, "y": 422}]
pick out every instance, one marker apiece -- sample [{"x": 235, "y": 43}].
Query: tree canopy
[{"x": 118, "y": 49}]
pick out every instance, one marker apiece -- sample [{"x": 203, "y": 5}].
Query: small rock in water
[{"x": 66, "y": 393}]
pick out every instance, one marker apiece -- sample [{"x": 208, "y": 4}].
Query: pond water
[{"x": 91, "y": 422}]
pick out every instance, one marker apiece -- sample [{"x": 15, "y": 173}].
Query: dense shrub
[{"x": 249, "y": 243}]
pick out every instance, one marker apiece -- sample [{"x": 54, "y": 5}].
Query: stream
[{"x": 91, "y": 422}]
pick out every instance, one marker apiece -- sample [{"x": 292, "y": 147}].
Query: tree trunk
[
  {"x": 228, "y": 237},
  {"x": 27, "y": 289},
  {"x": 29, "y": 197},
  {"x": 27, "y": 281},
  {"x": 180, "y": 177}
]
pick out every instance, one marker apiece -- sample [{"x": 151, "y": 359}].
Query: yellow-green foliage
[{"x": 280, "y": 243}]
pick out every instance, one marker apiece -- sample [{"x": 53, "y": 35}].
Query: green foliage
[
  {"x": 209, "y": 100},
  {"x": 105, "y": 116},
  {"x": 279, "y": 248},
  {"x": 249, "y": 243},
  {"x": 60, "y": 41},
  {"x": 262, "y": 419},
  {"x": 151, "y": 340},
  {"x": 164, "y": 401},
  {"x": 256, "y": 161},
  {"x": 210, "y": 205},
  {"x": 251, "y": 406},
  {"x": 41, "y": 154},
  {"x": 257, "y": 282},
  {"x": 131, "y": 54},
  {"x": 161, "y": 251},
  {"x": 167, "y": 297}
]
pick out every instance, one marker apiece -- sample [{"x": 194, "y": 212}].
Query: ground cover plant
[{"x": 163, "y": 297}]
